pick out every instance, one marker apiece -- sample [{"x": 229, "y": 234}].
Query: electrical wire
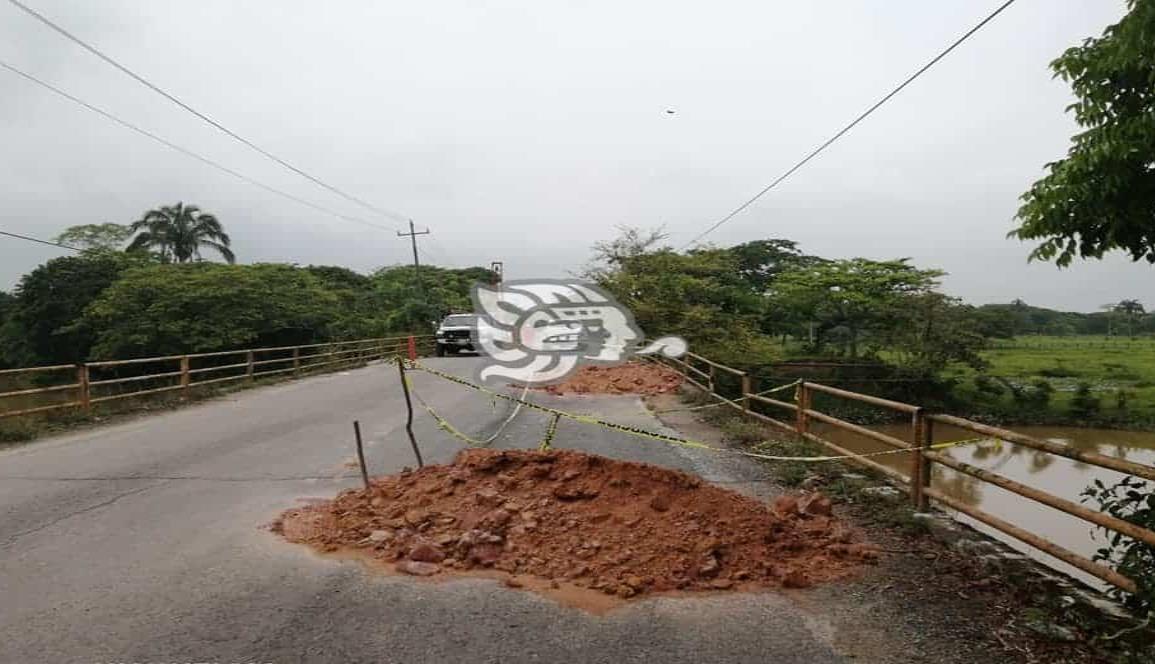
[
  {"x": 186, "y": 151},
  {"x": 34, "y": 239},
  {"x": 148, "y": 84},
  {"x": 848, "y": 127}
]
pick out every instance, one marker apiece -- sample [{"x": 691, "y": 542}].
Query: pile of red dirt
[
  {"x": 631, "y": 378},
  {"x": 618, "y": 527}
]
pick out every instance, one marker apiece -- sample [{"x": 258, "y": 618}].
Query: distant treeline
[
  {"x": 103, "y": 304},
  {"x": 1019, "y": 318}
]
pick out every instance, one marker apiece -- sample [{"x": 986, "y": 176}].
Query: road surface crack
[{"x": 31, "y": 531}]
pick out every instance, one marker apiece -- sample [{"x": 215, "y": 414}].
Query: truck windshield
[{"x": 459, "y": 321}]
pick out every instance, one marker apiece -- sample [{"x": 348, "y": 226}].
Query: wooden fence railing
[
  {"x": 98, "y": 382},
  {"x": 917, "y": 480}
]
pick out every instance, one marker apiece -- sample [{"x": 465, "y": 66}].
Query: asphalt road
[{"x": 143, "y": 542}]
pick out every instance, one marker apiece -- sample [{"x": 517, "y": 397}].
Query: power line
[
  {"x": 186, "y": 151},
  {"x": 33, "y": 239},
  {"x": 850, "y": 126},
  {"x": 145, "y": 82}
]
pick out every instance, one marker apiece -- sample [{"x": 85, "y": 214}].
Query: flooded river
[{"x": 1054, "y": 474}]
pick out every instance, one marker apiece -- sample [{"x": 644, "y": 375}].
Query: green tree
[
  {"x": 1101, "y": 197},
  {"x": 104, "y": 237},
  {"x": 928, "y": 331},
  {"x": 204, "y": 307},
  {"x": 700, "y": 296},
  {"x": 42, "y": 324},
  {"x": 179, "y": 232},
  {"x": 400, "y": 306},
  {"x": 761, "y": 261},
  {"x": 1131, "y": 311},
  {"x": 7, "y": 306},
  {"x": 860, "y": 296}
]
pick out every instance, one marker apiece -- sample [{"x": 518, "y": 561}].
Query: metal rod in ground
[
  {"x": 409, "y": 416},
  {"x": 361, "y": 453}
]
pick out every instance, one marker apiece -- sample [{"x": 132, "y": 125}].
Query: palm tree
[{"x": 179, "y": 232}]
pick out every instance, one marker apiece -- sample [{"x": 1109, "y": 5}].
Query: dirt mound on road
[
  {"x": 585, "y": 521},
  {"x": 631, "y": 378}
]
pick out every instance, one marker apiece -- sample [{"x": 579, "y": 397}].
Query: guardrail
[
  {"x": 93, "y": 383},
  {"x": 917, "y": 480}
]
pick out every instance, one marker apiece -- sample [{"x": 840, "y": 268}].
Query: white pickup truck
[{"x": 455, "y": 333}]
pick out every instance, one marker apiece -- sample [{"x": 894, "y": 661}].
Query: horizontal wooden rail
[
  {"x": 218, "y": 380},
  {"x": 140, "y": 360},
  {"x": 865, "y": 398},
  {"x": 1046, "y": 546},
  {"x": 858, "y": 429},
  {"x": 272, "y": 361},
  {"x": 1061, "y": 504},
  {"x": 270, "y": 372},
  {"x": 330, "y": 354},
  {"x": 55, "y": 367},
  {"x": 770, "y": 420},
  {"x": 691, "y": 367},
  {"x": 39, "y": 390},
  {"x": 200, "y": 370},
  {"x": 133, "y": 379},
  {"x": 38, "y": 409},
  {"x": 222, "y": 353},
  {"x": 773, "y": 402},
  {"x": 865, "y": 461},
  {"x": 1093, "y": 458},
  {"x": 717, "y": 365},
  {"x": 130, "y": 395}
]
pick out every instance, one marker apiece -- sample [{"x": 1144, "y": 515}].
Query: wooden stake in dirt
[
  {"x": 409, "y": 417},
  {"x": 361, "y": 453}
]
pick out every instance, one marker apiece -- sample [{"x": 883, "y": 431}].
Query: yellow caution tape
[
  {"x": 653, "y": 435},
  {"x": 550, "y": 432},
  {"x": 443, "y": 423},
  {"x": 724, "y": 401},
  {"x": 457, "y": 433}
]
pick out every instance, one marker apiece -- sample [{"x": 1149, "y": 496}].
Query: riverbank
[
  {"x": 1065, "y": 381},
  {"x": 959, "y": 595}
]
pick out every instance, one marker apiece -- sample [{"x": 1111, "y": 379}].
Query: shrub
[
  {"x": 1084, "y": 404},
  {"x": 1131, "y": 500},
  {"x": 987, "y": 385},
  {"x": 1039, "y": 393}
]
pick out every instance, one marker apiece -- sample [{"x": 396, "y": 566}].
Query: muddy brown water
[{"x": 1054, "y": 474}]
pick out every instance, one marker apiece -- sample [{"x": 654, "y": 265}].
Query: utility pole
[{"x": 412, "y": 235}]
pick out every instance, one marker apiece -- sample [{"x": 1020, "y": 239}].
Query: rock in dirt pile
[
  {"x": 566, "y": 517},
  {"x": 630, "y": 378}
]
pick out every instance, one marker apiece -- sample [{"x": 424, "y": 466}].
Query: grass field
[{"x": 1119, "y": 371}]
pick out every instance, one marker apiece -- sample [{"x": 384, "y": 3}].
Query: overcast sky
[{"x": 526, "y": 131}]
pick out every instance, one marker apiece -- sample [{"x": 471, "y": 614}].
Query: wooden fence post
[
  {"x": 712, "y": 379},
  {"x": 746, "y": 391},
  {"x": 184, "y": 375},
  {"x": 296, "y": 360},
  {"x": 917, "y": 461},
  {"x": 924, "y": 470},
  {"x": 84, "y": 388},
  {"x": 802, "y": 422},
  {"x": 412, "y": 349},
  {"x": 251, "y": 368}
]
